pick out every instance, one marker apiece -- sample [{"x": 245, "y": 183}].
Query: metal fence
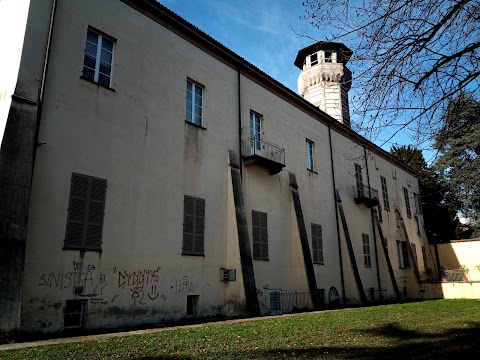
[
  {"x": 296, "y": 301},
  {"x": 256, "y": 146},
  {"x": 461, "y": 275},
  {"x": 364, "y": 191}
]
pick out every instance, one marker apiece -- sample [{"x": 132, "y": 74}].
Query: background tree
[
  {"x": 439, "y": 209},
  {"x": 410, "y": 58},
  {"x": 458, "y": 144}
]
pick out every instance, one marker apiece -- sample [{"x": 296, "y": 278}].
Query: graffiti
[
  {"x": 142, "y": 284},
  {"x": 98, "y": 301},
  {"x": 114, "y": 297},
  {"x": 154, "y": 293},
  {"x": 136, "y": 278},
  {"x": 184, "y": 285},
  {"x": 80, "y": 283}
]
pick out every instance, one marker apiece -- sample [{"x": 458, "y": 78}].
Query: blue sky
[
  {"x": 260, "y": 31},
  {"x": 263, "y": 32}
]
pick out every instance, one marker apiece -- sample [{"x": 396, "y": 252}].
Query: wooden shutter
[
  {"x": 199, "y": 226},
  {"x": 188, "y": 224},
  {"x": 406, "y": 263},
  {"x": 260, "y": 235},
  {"x": 264, "y": 236},
  {"x": 256, "y": 234},
  {"x": 317, "y": 245},
  {"x": 193, "y": 225},
  {"x": 85, "y": 213},
  {"x": 367, "y": 261}
]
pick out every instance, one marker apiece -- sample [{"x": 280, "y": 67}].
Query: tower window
[
  {"x": 313, "y": 59},
  {"x": 328, "y": 56}
]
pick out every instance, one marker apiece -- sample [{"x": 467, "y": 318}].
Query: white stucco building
[{"x": 149, "y": 173}]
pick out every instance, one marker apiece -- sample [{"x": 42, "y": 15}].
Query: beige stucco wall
[
  {"x": 455, "y": 255},
  {"x": 135, "y": 136}
]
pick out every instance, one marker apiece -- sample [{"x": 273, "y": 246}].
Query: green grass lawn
[{"x": 442, "y": 329}]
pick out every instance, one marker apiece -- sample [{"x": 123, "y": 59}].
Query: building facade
[{"x": 157, "y": 175}]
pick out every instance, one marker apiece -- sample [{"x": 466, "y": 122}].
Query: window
[
  {"x": 407, "y": 202},
  {"x": 194, "y": 113},
  {"x": 85, "y": 213},
  {"x": 317, "y": 244},
  {"x": 418, "y": 203},
  {"x": 73, "y": 316},
  {"x": 414, "y": 253},
  {"x": 367, "y": 260},
  {"x": 193, "y": 225},
  {"x": 98, "y": 60},
  {"x": 309, "y": 154},
  {"x": 255, "y": 133},
  {"x": 386, "y": 203},
  {"x": 424, "y": 256},
  {"x": 260, "y": 235},
  {"x": 192, "y": 304},
  {"x": 313, "y": 59},
  {"x": 402, "y": 252},
  {"x": 328, "y": 56},
  {"x": 359, "y": 180}
]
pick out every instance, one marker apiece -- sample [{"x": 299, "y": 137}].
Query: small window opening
[
  {"x": 74, "y": 313},
  {"x": 313, "y": 59},
  {"x": 328, "y": 56},
  {"x": 192, "y": 305}
]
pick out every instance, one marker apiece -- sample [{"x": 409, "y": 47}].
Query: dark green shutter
[
  {"x": 260, "y": 235},
  {"x": 193, "y": 226},
  {"x": 85, "y": 213}
]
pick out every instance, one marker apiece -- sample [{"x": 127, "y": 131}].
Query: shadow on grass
[{"x": 452, "y": 344}]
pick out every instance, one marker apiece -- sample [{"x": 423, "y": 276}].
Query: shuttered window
[
  {"x": 367, "y": 259},
  {"x": 193, "y": 225},
  {"x": 317, "y": 244},
  {"x": 402, "y": 251},
  {"x": 407, "y": 202},
  {"x": 260, "y": 235},
  {"x": 85, "y": 213}
]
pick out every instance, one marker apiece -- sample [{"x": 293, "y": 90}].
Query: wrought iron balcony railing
[
  {"x": 366, "y": 195},
  {"x": 257, "y": 150}
]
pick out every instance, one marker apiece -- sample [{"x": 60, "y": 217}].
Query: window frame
[
  {"x": 73, "y": 219},
  {"x": 98, "y": 58},
  {"x": 310, "y": 154},
  {"x": 328, "y": 59},
  {"x": 359, "y": 180},
  {"x": 418, "y": 203},
  {"x": 314, "y": 62},
  {"x": 386, "y": 201},
  {"x": 317, "y": 244},
  {"x": 407, "y": 202},
  {"x": 196, "y": 217},
  {"x": 260, "y": 235},
  {"x": 402, "y": 254},
  {"x": 367, "y": 256},
  {"x": 195, "y": 85}
]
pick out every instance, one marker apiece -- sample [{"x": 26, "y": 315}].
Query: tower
[{"x": 325, "y": 80}]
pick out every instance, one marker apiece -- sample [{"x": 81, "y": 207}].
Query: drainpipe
[
  {"x": 336, "y": 216},
  {"x": 44, "y": 77},
  {"x": 239, "y": 120},
  {"x": 373, "y": 224}
]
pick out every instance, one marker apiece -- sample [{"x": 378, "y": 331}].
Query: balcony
[
  {"x": 366, "y": 195},
  {"x": 264, "y": 153}
]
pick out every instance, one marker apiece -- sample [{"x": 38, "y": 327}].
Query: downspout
[
  {"x": 44, "y": 77},
  {"x": 336, "y": 215},
  {"x": 239, "y": 120},
  {"x": 373, "y": 224}
]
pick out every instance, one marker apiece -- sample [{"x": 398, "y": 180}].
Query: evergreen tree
[
  {"x": 458, "y": 144},
  {"x": 439, "y": 211}
]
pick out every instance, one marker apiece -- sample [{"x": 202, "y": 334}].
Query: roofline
[{"x": 168, "y": 19}]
